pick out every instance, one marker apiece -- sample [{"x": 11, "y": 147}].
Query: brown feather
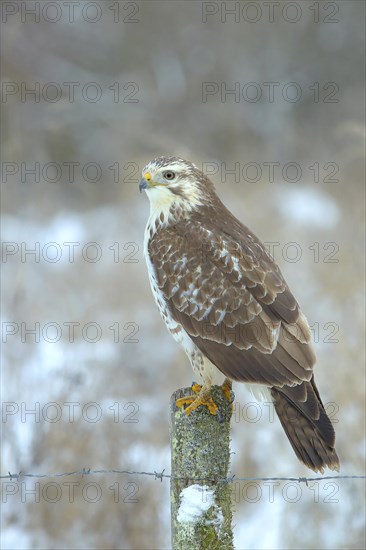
[
  {"x": 307, "y": 425},
  {"x": 221, "y": 286}
]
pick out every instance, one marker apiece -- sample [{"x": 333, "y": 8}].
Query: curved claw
[{"x": 202, "y": 397}]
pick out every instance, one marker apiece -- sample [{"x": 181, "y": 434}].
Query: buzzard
[{"x": 224, "y": 299}]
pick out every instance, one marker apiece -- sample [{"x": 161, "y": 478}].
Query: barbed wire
[{"x": 161, "y": 475}]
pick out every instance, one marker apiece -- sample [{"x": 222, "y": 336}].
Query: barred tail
[{"x": 307, "y": 426}]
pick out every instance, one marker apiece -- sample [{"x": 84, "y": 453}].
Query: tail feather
[{"x": 307, "y": 426}]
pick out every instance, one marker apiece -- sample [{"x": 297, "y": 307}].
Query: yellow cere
[{"x": 147, "y": 176}]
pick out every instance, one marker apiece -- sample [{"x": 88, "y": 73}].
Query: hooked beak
[
  {"x": 142, "y": 184},
  {"x": 146, "y": 181}
]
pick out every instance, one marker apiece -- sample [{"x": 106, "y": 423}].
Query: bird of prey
[{"x": 225, "y": 300}]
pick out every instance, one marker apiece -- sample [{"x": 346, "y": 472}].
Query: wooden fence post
[{"x": 200, "y": 450}]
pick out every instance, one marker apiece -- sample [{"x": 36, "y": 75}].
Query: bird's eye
[{"x": 169, "y": 175}]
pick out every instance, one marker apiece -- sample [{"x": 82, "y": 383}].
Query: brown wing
[{"x": 232, "y": 300}]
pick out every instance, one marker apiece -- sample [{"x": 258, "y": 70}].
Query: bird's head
[{"x": 174, "y": 182}]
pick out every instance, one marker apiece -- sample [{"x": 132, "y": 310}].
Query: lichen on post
[{"x": 200, "y": 456}]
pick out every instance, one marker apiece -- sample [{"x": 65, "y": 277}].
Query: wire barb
[{"x": 161, "y": 475}]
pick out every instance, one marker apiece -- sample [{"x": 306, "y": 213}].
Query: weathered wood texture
[{"x": 200, "y": 450}]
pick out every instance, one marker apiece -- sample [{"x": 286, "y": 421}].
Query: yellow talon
[
  {"x": 201, "y": 397},
  {"x": 227, "y": 387},
  {"x": 196, "y": 388}
]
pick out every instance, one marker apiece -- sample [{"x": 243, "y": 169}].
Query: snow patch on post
[{"x": 195, "y": 501}]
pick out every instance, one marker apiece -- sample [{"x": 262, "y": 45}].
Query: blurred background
[{"x": 268, "y": 98}]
